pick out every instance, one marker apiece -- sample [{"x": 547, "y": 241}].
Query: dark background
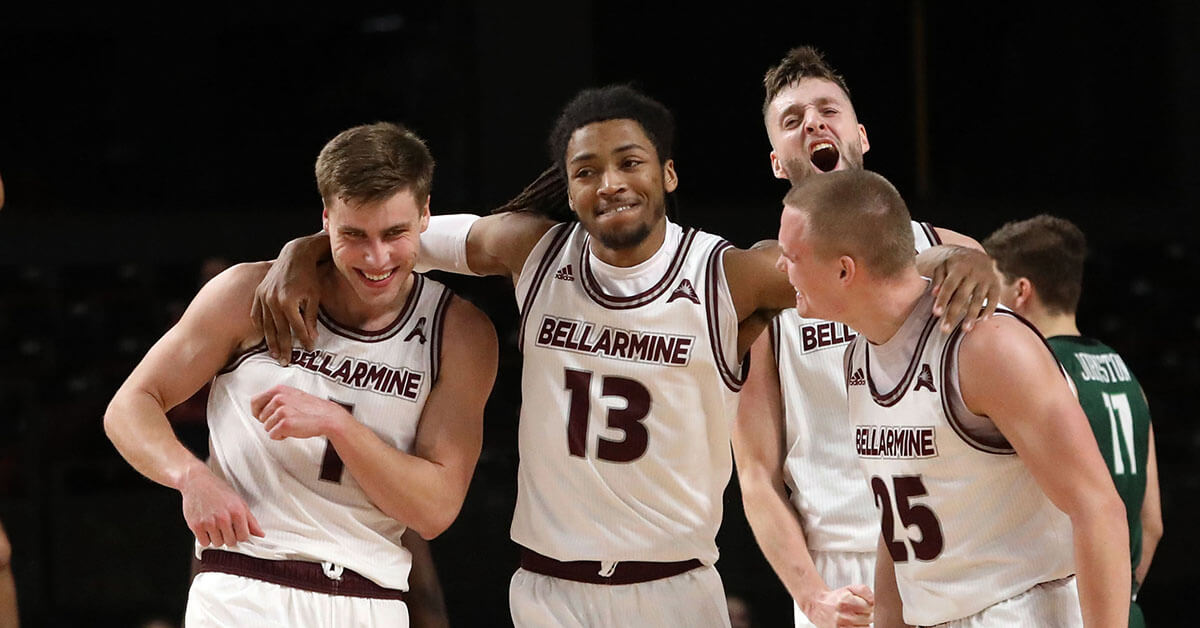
[{"x": 134, "y": 145}]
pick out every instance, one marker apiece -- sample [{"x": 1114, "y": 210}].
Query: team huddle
[{"x": 910, "y": 449}]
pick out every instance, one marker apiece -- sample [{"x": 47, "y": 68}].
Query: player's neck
[
  {"x": 632, "y": 256},
  {"x": 348, "y": 308},
  {"x": 1056, "y": 325},
  {"x": 890, "y": 304}
]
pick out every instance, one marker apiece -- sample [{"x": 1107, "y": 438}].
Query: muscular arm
[
  {"x": 424, "y": 489},
  {"x": 1037, "y": 412},
  {"x": 1151, "y": 514},
  {"x": 760, "y": 450},
  {"x": 215, "y": 326},
  {"x": 759, "y": 289}
]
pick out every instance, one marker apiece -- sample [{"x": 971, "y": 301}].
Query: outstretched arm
[
  {"x": 424, "y": 489},
  {"x": 760, "y": 450},
  {"x": 178, "y": 365},
  {"x": 1037, "y": 412}
]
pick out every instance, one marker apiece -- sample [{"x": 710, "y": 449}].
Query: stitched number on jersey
[
  {"x": 1118, "y": 410},
  {"x": 930, "y": 530},
  {"x": 331, "y": 463},
  {"x": 627, "y": 419}
]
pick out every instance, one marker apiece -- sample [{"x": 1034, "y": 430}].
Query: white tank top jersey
[
  {"x": 309, "y": 506},
  {"x": 835, "y": 505},
  {"x": 627, "y": 400},
  {"x": 965, "y": 522}
]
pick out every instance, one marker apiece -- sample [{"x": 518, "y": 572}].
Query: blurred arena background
[{"x": 140, "y": 150}]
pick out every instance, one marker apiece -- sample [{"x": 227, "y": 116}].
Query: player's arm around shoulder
[
  {"x": 759, "y": 288},
  {"x": 499, "y": 244},
  {"x": 1007, "y": 374}
]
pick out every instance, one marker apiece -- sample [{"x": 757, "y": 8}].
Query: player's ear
[
  {"x": 324, "y": 219},
  {"x": 862, "y": 135},
  {"x": 425, "y": 214},
  {"x": 670, "y": 179},
  {"x": 777, "y": 167},
  {"x": 1023, "y": 292},
  {"x": 847, "y": 271}
]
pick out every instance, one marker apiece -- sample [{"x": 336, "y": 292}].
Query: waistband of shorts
[
  {"x": 589, "y": 571},
  {"x": 297, "y": 574}
]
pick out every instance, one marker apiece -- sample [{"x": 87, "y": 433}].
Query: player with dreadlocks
[{"x": 632, "y": 332}]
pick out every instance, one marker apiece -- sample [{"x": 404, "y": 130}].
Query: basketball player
[
  {"x": 1040, "y": 262},
  {"x": 812, "y": 514},
  {"x": 632, "y": 328},
  {"x": 993, "y": 495},
  {"x": 318, "y": 468}
]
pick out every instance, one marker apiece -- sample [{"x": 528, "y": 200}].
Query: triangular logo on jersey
[
  {"x": 685, "y": 291},
  {"x": 925, "y": 379},
  {"x": 418, "y": 331},
  {"x": 565, "y": 273},
  {"x": 857, "y": 379}
]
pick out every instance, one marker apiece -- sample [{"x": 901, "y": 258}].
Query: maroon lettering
[
  {"x": 412, "y": 384},
  {"x": 324, "y": 367},
  {"x": 360, "y": 369},
  {"x": 604, "y": 342},
  {"x": 638, "y": 345},
  {"x": 571, "y": 342},
  {"x": 680, "y": 354},
  {"x": 620, "y": 343},
  {"x": 560, "y": 333},
  {"x": 808, "y": 337},
  {"x": 546, "y": 332},
  {"x": 823, "y": 330},
  {"x": 583, "y": 337},
  {"x": 343, "y": 371}
]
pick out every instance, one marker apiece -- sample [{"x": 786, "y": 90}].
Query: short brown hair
[
  {"x": 799, "y": 63},
  {"x": 860, "y": 214},
  {"x": 1047, "y": 250},
  {"x": 372, "y": 162}
]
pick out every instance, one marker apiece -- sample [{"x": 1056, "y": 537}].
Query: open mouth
[
  {"x": 824, "y": 156},
  {"x": 616, "y": 209}
]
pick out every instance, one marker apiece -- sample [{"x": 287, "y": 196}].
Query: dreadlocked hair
[{"x": 547, "y": 195}]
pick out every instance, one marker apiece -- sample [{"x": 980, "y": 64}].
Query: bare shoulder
[
  {"x": 1000, "y": 336},
  {"x": 470, "y": 329}
]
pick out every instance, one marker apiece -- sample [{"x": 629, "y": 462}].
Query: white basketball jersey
[
  {"x": 627, "y": 403},
  {"x": 309, "y": 506},
  {"x": 835, "y": 505},
  {"x": 965, "y": 522}
]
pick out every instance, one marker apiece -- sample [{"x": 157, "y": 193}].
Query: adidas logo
[
  {"x": 685, "y": 291},
  {"x": 857, "y": 379},
  {"x": 565, "y": 273}
]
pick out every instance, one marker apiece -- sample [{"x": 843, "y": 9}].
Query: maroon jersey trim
[
  {"x": 386, "y": 333},
  {"x": 539, "y": 276},
  {"x": 612, "y": 302},
  {"x": 712, "y": 310},
  {"x": 436, "y": 333},
  {"x": 949, "y": 356},
  {"x": 894, "y": 396},
  {"x": 930, "y": 233},
  {"x": 241, "y": 357}
]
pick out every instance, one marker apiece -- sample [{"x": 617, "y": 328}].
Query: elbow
[
  {"x": 433, "y": 521},
  {"x": 1152, "y": 529}
]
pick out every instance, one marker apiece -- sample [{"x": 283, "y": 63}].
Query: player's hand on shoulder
[
  {"x": 852, "y": 605},
  {"x": 285, "y": 302},
  {"x": 965, "y": 286},
  {"x": 286, "y": 412},
  {"x": 214, "y": 512}
]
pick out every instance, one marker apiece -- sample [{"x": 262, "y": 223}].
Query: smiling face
[
  {"x": 375, "y": 246},
  {"x": 617, "y": 187},
  {"x": 813, "y": 129},
  {"x": 814, "y": 277}
]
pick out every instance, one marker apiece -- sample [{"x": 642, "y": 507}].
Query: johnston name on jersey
[
  {"x": 309, "y": 506},
  {"x": 627, "y": 401}
]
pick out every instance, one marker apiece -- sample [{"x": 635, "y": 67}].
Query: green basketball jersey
[{"x": 1115, "y": 406}]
